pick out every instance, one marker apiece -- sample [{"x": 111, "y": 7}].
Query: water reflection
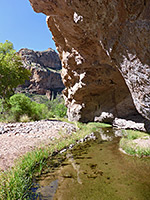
[
  {"x": 75, "y": 166},
  {"x": 45, "y": 192},
  {"x": 97, "y": 170}
]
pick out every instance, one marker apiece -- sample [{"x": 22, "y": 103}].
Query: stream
[{"x": 95, "y": 170}]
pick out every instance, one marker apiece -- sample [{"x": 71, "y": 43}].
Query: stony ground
[
  {"x": 18, "y": 138},
  {"x": 142, "y": 143}
]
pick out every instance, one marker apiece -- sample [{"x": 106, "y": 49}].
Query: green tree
[{"x": 12, "y": 72}]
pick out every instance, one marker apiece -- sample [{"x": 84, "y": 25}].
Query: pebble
[{"x": 62, "y": 151}]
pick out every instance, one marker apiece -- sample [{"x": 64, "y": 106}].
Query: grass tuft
[
  {"x": 24, "y": 118},
  {"x": 16, "y": 182},
  {"x": 130, "y": 144}
]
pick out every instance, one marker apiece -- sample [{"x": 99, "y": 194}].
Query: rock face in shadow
[
  {"x": 45, "y": 66},
  {"x": 105, "y": 51}
]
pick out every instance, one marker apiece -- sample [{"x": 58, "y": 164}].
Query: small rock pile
[
  {"x": 18, "y": 138},
  {"x": 37, "y": 129}
]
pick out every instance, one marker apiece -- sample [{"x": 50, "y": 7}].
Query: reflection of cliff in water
[{"x": 97, "y": 170}]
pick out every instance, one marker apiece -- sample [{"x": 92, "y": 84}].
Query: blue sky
[{"x": 23, "y": 27}]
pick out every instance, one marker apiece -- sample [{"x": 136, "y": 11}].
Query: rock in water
[{"x": 105, "y": 51}]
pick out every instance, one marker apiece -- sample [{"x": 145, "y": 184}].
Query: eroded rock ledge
[
  {"x": 45, "y": 78},
  {"x": 105, "y": 51}
]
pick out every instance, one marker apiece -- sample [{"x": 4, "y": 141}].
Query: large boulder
[{"x": 105, "y": 51}]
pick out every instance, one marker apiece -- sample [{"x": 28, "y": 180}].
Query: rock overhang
[{"x": 104, "y": 47}]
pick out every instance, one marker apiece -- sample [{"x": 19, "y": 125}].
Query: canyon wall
[
  {"x": 105, "y": 51},
  {"x": 45, "y": 67}
]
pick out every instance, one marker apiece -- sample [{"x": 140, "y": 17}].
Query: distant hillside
[{"x": 45, "y": 67}]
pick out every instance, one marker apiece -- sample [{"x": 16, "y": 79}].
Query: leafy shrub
[
  {"x": 57, "y": 107},
  {"x": 60, "y": 110},
  {"x": 51, "y": 114},
  {"x": 20, "y": 105},
  {"x": 22, "y": 108},
  {"x": 4, "y": 106},
  {"x": 39, "y": 111},
  {"x": 52, "y": 103}
]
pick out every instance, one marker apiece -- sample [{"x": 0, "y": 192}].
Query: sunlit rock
[{"x": 105, "y": 51}]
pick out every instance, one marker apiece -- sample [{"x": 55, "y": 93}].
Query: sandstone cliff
[
  {"x": 45, "y": 66},
  {"x": 105, "y": 51}
]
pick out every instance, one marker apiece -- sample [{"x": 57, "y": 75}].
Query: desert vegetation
[
  {"x": 135, "y": 143},
  {"x": 16, "y": 182},
  {"x": 12, "y": 73},
  {"x": 20, "y": 108}
]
